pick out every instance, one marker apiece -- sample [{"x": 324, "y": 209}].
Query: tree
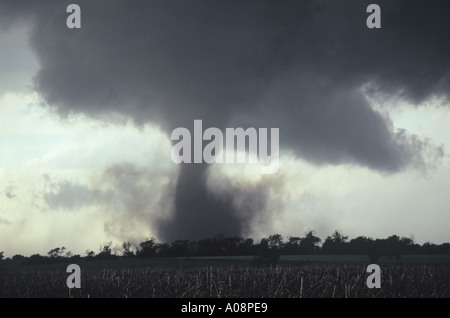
[
  {"x": 90, "y": 254},
  {"x": 18, "y": 257},
  {"x": 444, "y": 248},
  {"x": 275, "y": 242},
  {"x": 360, "y": 245},
  {"x": 147, "y": 248},
  {"x": 247, "y": 247},
  {"x": 230, "y": 245},
  {"x": 75, "y": 258},
  {"x": 161, "y": 249},
  {"x": 338, "y": 238},
  {"x": 117, "y": 250},
  {"x": 36, "y": 259},
  {"x": 292, "y": 247},
  {"x": 429, "y": 248},
  {"x": 105, "y": 250},
  {"x": 335, "y": 244},
  {"x": 56, "y": 252},
  {"x": 179, "y": 248},
  {"x": 1, "y": 256},
  {"x": 126, "y": 249},
  {"x": 309, "y": 244},
  {"x": 393, "y": 246},
  {"x": 269, "y": 251}
]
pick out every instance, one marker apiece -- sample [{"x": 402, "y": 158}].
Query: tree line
[{"x": 267, "y": 248}]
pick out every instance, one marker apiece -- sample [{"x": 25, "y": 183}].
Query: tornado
[
  {"x": 197, "y": 212},
  {"x": 306, "y": 67}
]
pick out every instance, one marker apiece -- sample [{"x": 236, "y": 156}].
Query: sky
[{"x": 86, "y": 116}]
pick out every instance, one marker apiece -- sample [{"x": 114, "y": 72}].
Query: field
[{"x": 223, "y": 277}]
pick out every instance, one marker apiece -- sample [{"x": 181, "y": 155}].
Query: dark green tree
[
  {"x": 335, "y": 244},
  {"x": 126, "y": 249},
  {"x": 105, "y": 251},
  {"x": 56, "y": 252},
  {"x": 275, "y": 242},
  {"x": 147, "y": 248},
  {"x": 310, "y": 243}
]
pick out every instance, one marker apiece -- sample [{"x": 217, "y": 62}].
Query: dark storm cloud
[
  {"x": 302, "y": 66},
  {"x": 299, "y": 65}
]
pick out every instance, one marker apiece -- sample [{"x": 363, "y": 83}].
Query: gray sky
[{"x": 86, "y": 117}]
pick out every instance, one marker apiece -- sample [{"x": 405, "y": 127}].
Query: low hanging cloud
[
  {"x": 139, "y": 199},
  {"x": 127, "y": 197},
  {"x": 306, "y": 67},
  {"x": 72, "y": 196},
  {"x": 5, "y": 221},
  {"x": 9, "y": 192}
]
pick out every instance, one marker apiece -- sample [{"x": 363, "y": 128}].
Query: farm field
[{"x": 223, "y": 277}]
